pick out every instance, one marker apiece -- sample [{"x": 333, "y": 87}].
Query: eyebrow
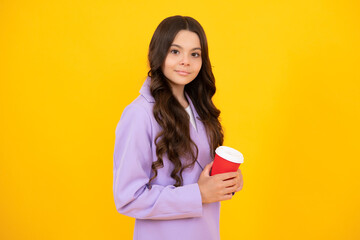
[{"x": 175, "y": 45}]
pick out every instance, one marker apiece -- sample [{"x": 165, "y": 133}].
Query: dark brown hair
[{"x": 174, "y": 138}]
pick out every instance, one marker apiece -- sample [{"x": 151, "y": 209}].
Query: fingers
[
  {"x": 208, "y": 166},
  {"x": 226, "y": 197},
  {"x": 207, "y": 169},
  {"x": 225, "y": 176},
  {"x": 240, "y": 183},
  {"x": 234, "y": 184},
  {"x": 230, "y": 183},
  {"x": 225, "y": 184}
]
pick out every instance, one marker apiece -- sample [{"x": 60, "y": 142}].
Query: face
[{"x": 183, "y": 61}]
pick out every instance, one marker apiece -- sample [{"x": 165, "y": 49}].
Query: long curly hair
[{"x": 174, "y": 138}]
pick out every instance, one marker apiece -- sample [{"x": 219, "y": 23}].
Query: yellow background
[{"x": 288, "y": 86}]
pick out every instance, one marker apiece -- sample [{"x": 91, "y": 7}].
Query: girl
[{"x": 166, "y": 138}]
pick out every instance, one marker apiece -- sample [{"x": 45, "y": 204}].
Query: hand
[
  {"x": 240, "y": 181},
  {"x": 220, "y": 186}
]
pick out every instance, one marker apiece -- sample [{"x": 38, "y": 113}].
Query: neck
[{"x": 178, "y": 92}]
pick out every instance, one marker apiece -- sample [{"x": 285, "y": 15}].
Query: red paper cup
[{"x": 226, "y": 159}]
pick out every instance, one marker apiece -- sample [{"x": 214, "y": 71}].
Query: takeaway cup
[{"x": 226, "y": 159}]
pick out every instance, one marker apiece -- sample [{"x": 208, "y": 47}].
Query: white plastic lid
[{"x": 230, "y": 154}]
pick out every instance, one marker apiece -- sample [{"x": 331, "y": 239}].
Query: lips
[{"x": 182, "y": 73}]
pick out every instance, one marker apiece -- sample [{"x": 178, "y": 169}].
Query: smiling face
[{"x": 183, "y": 61}]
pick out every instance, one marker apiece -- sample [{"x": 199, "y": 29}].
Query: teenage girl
[{"x": 166, "y": 139}]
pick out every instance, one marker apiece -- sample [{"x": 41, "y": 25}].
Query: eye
[
  {"x": 195, "y": 54},
  {"x": 174, "y": 51}
]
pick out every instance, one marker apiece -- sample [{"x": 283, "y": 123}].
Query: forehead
[{"x": 187, "y": 39}]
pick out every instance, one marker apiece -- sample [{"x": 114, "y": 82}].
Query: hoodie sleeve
[{"x": 132, "y": 170}]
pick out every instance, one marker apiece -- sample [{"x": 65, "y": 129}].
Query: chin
[{"x": 181, "y": 81}]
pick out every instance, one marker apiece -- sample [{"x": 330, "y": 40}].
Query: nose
[{"x": 185, "y": 60}]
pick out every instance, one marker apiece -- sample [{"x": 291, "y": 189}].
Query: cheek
[
  {"x": 168, "y": 64},
  {"x": 198, "y": 66}
]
